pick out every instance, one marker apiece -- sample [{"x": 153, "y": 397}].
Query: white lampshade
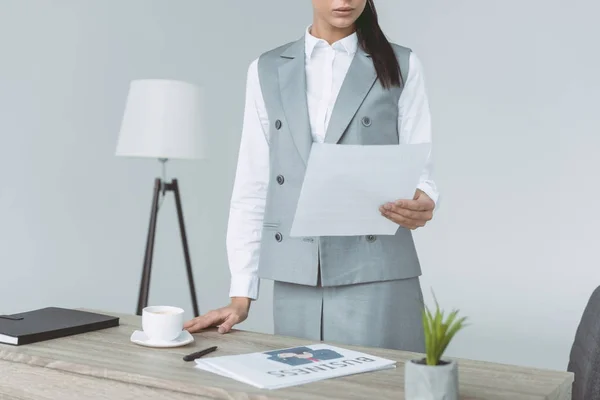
[{"x": 163, "y": 119}]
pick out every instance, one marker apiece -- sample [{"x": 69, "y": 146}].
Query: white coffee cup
[{"x": 163, "y": 323}]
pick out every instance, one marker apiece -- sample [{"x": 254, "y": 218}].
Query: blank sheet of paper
[{"x": 345, "y": 185}]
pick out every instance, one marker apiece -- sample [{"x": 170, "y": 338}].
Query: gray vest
[{"x": 365, "y": 113}]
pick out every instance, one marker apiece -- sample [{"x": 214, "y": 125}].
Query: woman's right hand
[{"x": 225, "y": 318}]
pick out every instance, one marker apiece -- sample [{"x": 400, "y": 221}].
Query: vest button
[
  {"x": 371, "y": 238},
  {"x": 280, "y": 179},
  {"x": 366, "y": 121},
  {"x": 278, "y": 237},
  {"x": 278, "y": 124}
]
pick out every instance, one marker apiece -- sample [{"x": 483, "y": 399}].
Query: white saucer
[{"x": 139, "y": 337}]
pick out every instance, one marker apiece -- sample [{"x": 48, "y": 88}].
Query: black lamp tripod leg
[
  {"x": 145, "y": 281},
  {"x": 186, "y": 251}
]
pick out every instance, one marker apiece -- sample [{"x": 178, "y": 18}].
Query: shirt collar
[{"x": 347, "y": 44}]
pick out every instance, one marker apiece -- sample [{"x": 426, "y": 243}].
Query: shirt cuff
[
  {"x": 431, "y": 192},
  {"x": 244, "y": 286}
]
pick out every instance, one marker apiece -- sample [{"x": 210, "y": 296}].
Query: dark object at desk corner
[{"x": 51, "y": 323}]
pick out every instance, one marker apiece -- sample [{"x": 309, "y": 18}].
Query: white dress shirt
[{"x": 326, "y": 67}]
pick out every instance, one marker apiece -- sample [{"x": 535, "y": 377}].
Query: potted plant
[{"x": 431, "y": 377}]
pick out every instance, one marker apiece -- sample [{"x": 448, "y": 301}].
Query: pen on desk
[{"x": 198, "y": 354}]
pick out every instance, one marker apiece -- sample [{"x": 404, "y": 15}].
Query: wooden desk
[{"x": 106, "y": 365}]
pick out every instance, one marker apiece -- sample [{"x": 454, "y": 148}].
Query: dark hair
[{"x": 374, "y": 43}]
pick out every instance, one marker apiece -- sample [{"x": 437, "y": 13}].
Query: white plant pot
[{"x": 428, "y": 382}]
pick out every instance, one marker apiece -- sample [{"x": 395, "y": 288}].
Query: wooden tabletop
[{"x": 106, "y": 365}]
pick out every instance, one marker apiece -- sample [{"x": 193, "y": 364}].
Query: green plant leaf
[
  {"x": 439, "y": 334},
  {"x": 458, "y": 325},
  {"x": 451, "y": 317},
  {"x": 439, "y": 330},
  {"x": 427, "y": 330},
  {"x": 444, "y": 333},
  {"x": 431, "y": 359}
]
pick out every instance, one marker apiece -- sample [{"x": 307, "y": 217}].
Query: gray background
[{"x": 514, "y": 94}]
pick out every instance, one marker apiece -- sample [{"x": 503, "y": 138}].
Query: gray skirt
[{"x": 379, "y": 314}]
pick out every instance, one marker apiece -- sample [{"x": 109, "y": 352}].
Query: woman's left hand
[{"x": 411, "y": 214}]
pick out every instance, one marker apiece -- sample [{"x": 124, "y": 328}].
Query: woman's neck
[{"x": 331, "y": 34}]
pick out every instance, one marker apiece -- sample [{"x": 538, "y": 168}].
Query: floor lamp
[{"x": 162, "y": 120}]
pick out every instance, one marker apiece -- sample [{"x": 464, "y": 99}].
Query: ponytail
[{"x": 374, "y": 43}]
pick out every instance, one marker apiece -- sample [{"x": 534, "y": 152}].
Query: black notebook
[{"x": 50, "y": 323}]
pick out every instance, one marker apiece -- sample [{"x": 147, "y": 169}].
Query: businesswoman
[{"x": 341, "y": 82}]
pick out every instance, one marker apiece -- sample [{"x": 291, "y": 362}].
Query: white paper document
[
  {"x": 281, "y": 368},
  {"x": 345, "y": 185}
]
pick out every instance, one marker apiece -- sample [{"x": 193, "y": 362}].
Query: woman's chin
[{"x": 342, "y": 23}]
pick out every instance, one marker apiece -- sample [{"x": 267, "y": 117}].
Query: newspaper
[{"x": 293, "y": 366}]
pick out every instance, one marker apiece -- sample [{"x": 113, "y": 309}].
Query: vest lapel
[
  {"x": 292, "y": 86},
  {"x": 358, "y": 82}
]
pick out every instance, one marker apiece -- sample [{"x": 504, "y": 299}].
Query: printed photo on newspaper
[{"x": 280, "y": 368}]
